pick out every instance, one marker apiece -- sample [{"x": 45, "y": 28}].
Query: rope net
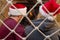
[{"x": 35, "y": 28}]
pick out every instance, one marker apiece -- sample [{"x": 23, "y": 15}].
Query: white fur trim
[
  {"x": 43, "y": 13},
  {"x": 14, "y": 12}
]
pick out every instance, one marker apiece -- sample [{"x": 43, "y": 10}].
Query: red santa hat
[
  {"x": 51, "y": 6},
  {"x": 22, "y": 8}
]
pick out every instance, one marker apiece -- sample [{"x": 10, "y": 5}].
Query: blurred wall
[{"x": 58, "y": 16}]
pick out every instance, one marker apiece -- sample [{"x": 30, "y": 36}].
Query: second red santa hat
[{"x": 51, "y": 6}]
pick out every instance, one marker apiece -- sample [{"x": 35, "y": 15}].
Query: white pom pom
[{"x": 50, "y": 18}]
